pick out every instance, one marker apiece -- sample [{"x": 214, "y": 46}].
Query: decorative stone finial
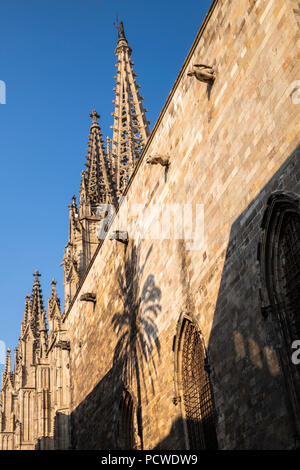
[
  {"x": 203, "y": 73},
  {"x": 94, "y": 115},
  {"x": 121, "y": 32}
]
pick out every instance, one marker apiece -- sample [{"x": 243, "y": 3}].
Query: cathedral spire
[
  {"x": 84, "y": 206},
  {"x": 54, "y": 300},
  {"x": 37, "y": 312},
  {"x": 95, "y": 185},
  {"x": 7, "y": 369},
  {"x": 26, "y": 314},
  {"x": 130, "y": 128},
  {"x": 54, "y": 297},
  {"x": 73, "y": 218},
  {"x": 7, "y": 374},
  {"x": 54, "y": 312}
]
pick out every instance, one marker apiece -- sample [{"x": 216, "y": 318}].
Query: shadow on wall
[
  {"x": 251, "y": 394},
  {"x": 61, "y": 433},
  {"x": 175, "y": 440},
  {"x": 136, "y": 328},
  {"x": 96, "y": 421}
]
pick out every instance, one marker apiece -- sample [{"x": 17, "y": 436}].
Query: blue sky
[{"x": 57, "y": 60}]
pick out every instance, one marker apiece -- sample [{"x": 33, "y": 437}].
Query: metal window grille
[
  {"x": 197, "y": 396},
  {"x": 289, "y": 272}
]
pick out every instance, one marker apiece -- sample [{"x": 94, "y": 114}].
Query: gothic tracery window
[
  {"x": 280, "y": 258},
  {"x": 289, "y": 272},
  {"x": 282, "y": 267},
  {"x": 197, "y": 394}
]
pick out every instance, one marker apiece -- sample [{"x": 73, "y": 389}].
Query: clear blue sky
[{"x": 57, "y": 60}]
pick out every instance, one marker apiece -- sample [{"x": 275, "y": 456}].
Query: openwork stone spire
[
  {"x": 96, "y": 190},
  {"x": 130, "y": 128},
  {"x": 37, "y": 312},
  {"x": 95, "y": 184},
  {"x": 107, "y": 170}
]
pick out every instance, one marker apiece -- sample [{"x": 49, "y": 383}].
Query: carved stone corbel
[
  {"x": 203, "y": 73},
  {"x": 63, "y": 344},
  {"x": 120, "y": 236},
  {"x": 163, "y": 160},
  {"x": 88, "y": 297}
]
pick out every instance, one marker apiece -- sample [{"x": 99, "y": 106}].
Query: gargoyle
[
  {"x": 163, "y": 160},
  {"x": 88, "y": 297},
  {"x": 204, "y": 73}
]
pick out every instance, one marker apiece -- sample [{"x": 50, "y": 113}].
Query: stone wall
[{"x": 230, "y": 146}]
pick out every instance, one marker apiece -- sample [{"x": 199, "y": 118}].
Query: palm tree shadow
[{"x": 135, "y": 325}]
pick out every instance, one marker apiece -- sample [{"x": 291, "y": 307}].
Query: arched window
[
  {"x": 280, "y": 261},
  {"x": 288, "y": 276},
  {"x": 196, "y": 393},
  {"x": 127, "y": 422}
]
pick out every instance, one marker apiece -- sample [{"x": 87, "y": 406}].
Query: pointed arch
[
  {"x": 279, "y": 257},
  {"x": 193, "y": 385}
]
